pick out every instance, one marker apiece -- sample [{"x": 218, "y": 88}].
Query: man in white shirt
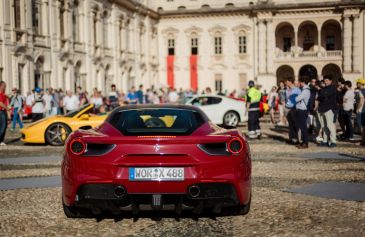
[
  {"x": 173, "y": 96},
  {"x": 47, "y": 97},
  {"x": 70, "y": 102},
  {"x": 37, "y": 105},
  {"x": 348, "y": 106}
]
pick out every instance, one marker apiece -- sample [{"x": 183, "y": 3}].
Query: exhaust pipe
[
  {"x": 119, "y": 192},
  {"x": 194, "y": 191}
]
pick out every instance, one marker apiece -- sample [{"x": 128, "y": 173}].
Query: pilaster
[{"x": 347, "y": 46}]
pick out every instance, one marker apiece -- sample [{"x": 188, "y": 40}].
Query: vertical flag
[
  {"x": 170, "y": 71},
  {"x": 194, "y": 72}
]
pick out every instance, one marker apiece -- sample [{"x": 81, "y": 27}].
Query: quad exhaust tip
[
  {"x": 194, "y": 191},
  {"x": 119, "y": 192}
]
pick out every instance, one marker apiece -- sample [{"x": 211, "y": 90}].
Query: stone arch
[
  {"x": 308, "y": 35},
  {"x": 333, "y": 70},
  {"x": 283, "y": 73},
  {"x": 308, "y": 72},
  {"x": 331, "y": 35},
  {"x": 284, "y": 36}
]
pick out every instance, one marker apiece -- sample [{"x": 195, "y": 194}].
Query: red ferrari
[{"x": 149, "y": 157}]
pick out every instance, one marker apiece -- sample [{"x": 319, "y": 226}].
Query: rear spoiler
[{"x": 157, "y": 139}]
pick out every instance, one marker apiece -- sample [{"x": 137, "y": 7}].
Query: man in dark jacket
[{"x": 327, "y": 98}]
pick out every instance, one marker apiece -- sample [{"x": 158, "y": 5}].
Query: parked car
[
  {"x": 156, "y": 157},
  {"x": 221, "y": 110},
  {"x": 54, "y": 130}
]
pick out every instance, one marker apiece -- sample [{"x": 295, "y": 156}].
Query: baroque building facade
[
  {"x": 263, "y": 40},
  {"x": 70, "y": 43},
  {"x": 178, "y": 43}
]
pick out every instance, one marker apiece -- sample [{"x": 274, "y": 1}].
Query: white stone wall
[
  {"x": 100, "y": 61},
  {"x": 229, "y": 64}
]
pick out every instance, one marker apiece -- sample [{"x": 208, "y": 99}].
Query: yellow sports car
[{"x": 55, "y": 130}]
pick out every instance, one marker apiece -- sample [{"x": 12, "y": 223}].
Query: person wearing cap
[
  {"x": 37, "y": 105},
  {"x": 253, "y": 108},
  {"x": 327, "y": 98},
  {"x": 360, "y": 107}
]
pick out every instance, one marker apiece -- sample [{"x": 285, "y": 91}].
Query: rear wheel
[
  {"x": 239, "y": 210},
  {"x": 74, "y": 212},
  {"x": 231, "y": 119},
  {"x": 57, "y": 133}
]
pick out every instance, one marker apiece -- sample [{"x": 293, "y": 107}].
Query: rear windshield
[{"x": 141, "y": 122}]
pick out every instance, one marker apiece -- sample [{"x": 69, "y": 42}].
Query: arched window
[
  {"x": 218, "y": 49},
  {"x": 242, "y": 43}
]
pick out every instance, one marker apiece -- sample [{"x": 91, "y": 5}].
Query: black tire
[
  {"x": 74, "y": 212},
  {"x": 231, "y": 119},
  {"x": 56, "y": 134},
  {"x": 70, "y": 212},
  {"x": 239, "y": 210}
]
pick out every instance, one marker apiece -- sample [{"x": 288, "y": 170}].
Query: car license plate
[{"x": 156, "y": 174}]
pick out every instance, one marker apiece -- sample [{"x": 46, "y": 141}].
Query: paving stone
[{"x": 335, "y": 190}]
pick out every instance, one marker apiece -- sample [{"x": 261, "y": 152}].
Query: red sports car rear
[{"x": 156, "y": 158}]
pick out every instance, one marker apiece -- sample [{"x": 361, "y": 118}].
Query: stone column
[
  {"x": 356, "y": 53},
  {"x": 45, "y": 18},
  {"x": 347, "y": 46},
  {"x": 126, "y": 36},
  {"x": 296, "y": 46},
  {"x": 91, "y": 39},
  {"x": 123, "y": 36},
  {"x": 131, "y": 34},
  {"x": 319, "y": 41},
  {"x": 262, "y": 46},
  {"x": 270, "y": 47}
]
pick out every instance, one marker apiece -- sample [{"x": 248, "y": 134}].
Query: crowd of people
[
  {"x": 307, "y": 107},
  {"x": 316, "y": 106}
]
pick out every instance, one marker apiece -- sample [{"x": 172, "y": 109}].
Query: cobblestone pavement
[{"x": 276, "y": 166}]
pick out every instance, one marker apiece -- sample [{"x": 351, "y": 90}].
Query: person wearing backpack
[
  {"x": 302, "y": 111},
  {"x": 16, "y": 103}
]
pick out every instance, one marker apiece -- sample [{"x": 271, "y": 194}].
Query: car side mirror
[{"x": 84, "y": 117}]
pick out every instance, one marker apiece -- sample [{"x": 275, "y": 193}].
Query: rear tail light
[
  {"x": 77, "y": 146},
  {"x": 235, "y": 145}
]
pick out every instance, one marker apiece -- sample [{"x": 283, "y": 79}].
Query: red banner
[
  {"x": 170, "y": 71},
  {"x": 194, "y": 72}
]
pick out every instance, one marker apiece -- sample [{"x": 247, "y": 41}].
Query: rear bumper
[{"x": 199, "y": 196}]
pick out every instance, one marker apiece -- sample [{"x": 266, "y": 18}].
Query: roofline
[
  {"x": 137, "y": 7},
  {"x": 271, "y": 7}
]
